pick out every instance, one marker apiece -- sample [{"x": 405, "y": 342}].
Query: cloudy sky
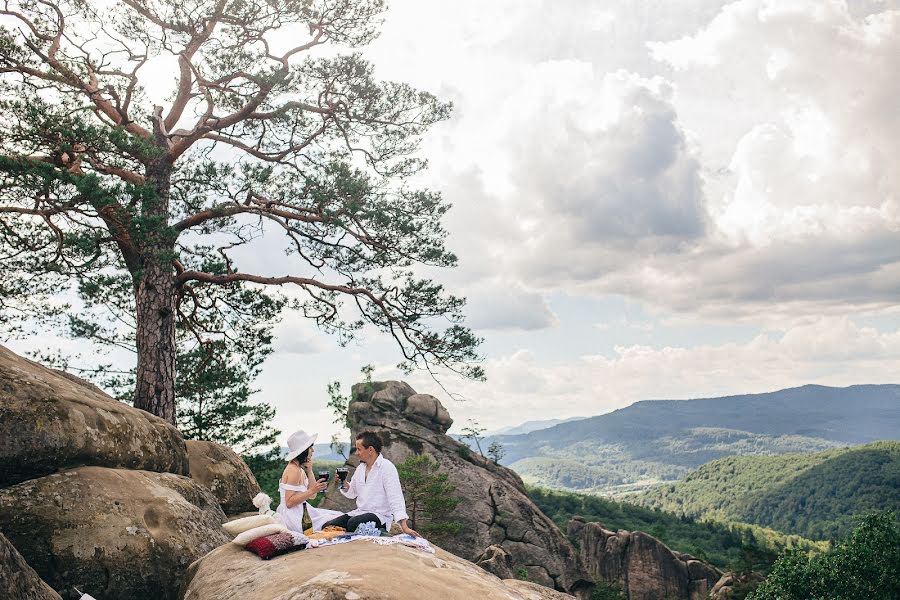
[{"x": 652, "y": 199}]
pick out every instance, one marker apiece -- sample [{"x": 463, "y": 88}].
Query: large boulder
[
  {"x": 18, "y": 581},
  {"x": 113, "y": 533},
  {"x": 221, "y": 470},
  {"x": 51, "y": 421},
  {"x": 496, "y": 509},
  {"x": 350, "y": 571},
  {"x": 645, "y": 567}
]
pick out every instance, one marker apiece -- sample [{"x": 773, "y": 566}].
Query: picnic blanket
[{"x": 404, "y": 538}]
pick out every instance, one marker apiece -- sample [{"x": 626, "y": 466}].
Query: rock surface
[
  {"x": 644, "y": 566},
  {"x": 113, "y": 533},
  {"x": 351, "y": 571},
  {"x": 496, "y": 509},
  {"x": 725, "y": 587},
  {"x": 18, "y": 581},
  {"x": 222, "y": 471},
  {"x": 51, "y": 421}
]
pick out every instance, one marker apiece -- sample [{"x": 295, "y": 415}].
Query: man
[{"x": 376, "y": 487}]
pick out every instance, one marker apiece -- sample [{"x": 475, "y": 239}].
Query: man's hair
[{"x": 370, "y": 439}]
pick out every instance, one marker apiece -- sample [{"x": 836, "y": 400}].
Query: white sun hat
[{"x": 298, "y": 442}]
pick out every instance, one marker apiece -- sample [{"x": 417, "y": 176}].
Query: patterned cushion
[
  {"x": 246, "y": 537},
  {"x": 279, "y": 543}
]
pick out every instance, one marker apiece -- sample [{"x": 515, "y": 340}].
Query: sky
[{"x": 652, "y": 199}]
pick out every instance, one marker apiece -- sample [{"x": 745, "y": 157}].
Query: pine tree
[
  {"x": 429, "y": 496},
  {"x": 140, "y": 209}
]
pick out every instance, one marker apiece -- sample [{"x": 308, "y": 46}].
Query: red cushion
[{"x": 272, "y": 545}]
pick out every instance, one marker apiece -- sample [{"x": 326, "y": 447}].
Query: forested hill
[
  {"x": 659, "y": 440},
  {"x": 818, "y": 496}
]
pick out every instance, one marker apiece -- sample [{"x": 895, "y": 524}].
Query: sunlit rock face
[
  {"x": 50, "y": 420},
  {"x": 352, "y": 571},
  {"x": 114, "y": 533}
]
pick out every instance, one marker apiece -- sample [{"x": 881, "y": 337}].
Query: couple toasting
[{"x": 375, "y": 485}]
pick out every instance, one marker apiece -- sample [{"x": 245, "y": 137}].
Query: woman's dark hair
[
  {"x": 370, "y": 439},
  {"x": 301, "y": 458}
]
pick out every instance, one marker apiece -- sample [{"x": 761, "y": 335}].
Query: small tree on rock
[
  {"x": 496, "y": 452},
  {"x": 429, "y": 496}
]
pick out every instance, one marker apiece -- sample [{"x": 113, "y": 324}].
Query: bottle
[{"x": 307, "y": 520}]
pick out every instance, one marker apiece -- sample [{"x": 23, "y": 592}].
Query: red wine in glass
[
  {"x": 342, "y": 473},
  {"x": 326, "y": 475}
]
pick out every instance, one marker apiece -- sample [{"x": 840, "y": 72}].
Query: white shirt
[{"x": 378, "y": 492}]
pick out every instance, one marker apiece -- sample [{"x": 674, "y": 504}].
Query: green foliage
[
  {"x": 475, "y": 432},
  {"x": 339, "y": 403},
  {"x": 104, "y": 197},
  {"x": 429, "y": 495},
  {"x": 521, "y": 574},
  {"x": 730, "y": 546},
  {"x": 215, "y": 400},
  {"x": 337, "y": 445},
  {"x": 865, "y": 566},
  {"x": 604, "y": 590},
  {"x": 651, "y": 442},
  {"x": 639, "y": 463},
  {"x": 496, "y": 452},
  {"x": 818, "y": 496}
]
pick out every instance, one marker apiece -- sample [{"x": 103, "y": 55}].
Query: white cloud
[
  {"x": 500, "y": 304},
  {"x": 297, "y": 335}
]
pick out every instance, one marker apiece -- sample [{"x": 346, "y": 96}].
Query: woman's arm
[{"x": 295, "y": 476}]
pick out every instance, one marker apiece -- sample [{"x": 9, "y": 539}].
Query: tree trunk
[{"x": 155, "y": 302}]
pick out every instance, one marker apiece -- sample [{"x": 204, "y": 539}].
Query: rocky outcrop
[
  {"x": 496, "y": 509},
  {"x": 51, "y": 421},
  {"x": 727, "y": 586},
  {"x": 644, "y": 566},
  {"x": 222, "y": 471},
  {"x": 113, "y": 533},
  {"x": 18, "y": 581},
  {"x": 350, "y": 571},
  {"x": 496, "y": 560}
]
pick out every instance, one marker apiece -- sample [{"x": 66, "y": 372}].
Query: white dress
[{"x": 292, "y": 518}]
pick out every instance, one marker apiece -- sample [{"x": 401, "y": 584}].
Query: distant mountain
[
  {"x": 818, "y": 496},
  {"x": 529, "y": 426},
  {"x": 661, "y": 440}
]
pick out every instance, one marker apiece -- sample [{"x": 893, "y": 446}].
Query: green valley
[{"x": 819, "y": 496}]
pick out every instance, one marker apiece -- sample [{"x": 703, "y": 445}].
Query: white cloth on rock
[{"x": 292, "y": 518}]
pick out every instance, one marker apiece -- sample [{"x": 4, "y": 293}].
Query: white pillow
[
  {"x": 246, "y": 523},
  {"x": 257, "y": 532}
]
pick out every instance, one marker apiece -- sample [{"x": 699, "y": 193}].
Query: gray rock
[
  {"x": 18, "y": 581},
  {"x": 51, "y": 421},
  {"x": 113, "y": 533},
  {"x": 496, "y": 509},
  {"x": 644, "y": 566},
  {"x": 222, "y": 471},
  {"x": 496, "y": 560},
  {"x": 533, "y": 591}
]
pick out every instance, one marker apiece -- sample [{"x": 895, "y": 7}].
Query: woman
[{"x": 294, "y": 488}]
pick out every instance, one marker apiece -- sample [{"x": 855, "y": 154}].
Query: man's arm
[{"x": 394, "y": 493}]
